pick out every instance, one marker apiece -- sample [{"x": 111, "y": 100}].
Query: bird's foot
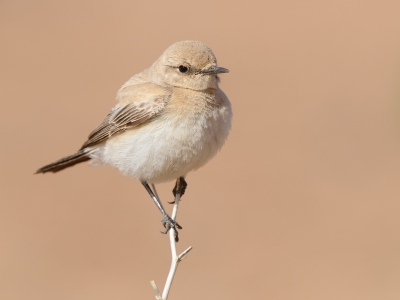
[
  {"x": 181, "y": 190},
  {"x": 168, "y": 223}
]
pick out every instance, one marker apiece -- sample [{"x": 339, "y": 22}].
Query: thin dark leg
[
  {"x": 156, "y": 201},
  {"x": 167, "y": 221},
  {"x": 181, "y": 190}
]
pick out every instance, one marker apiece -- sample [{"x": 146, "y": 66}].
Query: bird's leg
[
  {"x": 179, "y": 190},
  {"x": 167, "y": 220}
]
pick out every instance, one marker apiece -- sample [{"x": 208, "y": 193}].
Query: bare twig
[
  {"x": 175, "y": 257},
  {"x": 158, "y": 295}
]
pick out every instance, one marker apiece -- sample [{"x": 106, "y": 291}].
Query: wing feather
[{"x": 126, "y": 117}]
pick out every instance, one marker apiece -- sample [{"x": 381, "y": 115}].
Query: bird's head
[{"x": 187, "y": 64}]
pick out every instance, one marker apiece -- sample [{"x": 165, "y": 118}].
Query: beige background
[{"x": 302, "y": 202}]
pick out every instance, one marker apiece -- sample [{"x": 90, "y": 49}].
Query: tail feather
[{"x": 69, "y": 161}]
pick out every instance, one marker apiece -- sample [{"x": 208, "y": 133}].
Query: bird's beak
[{"x": 215, "y": 70}]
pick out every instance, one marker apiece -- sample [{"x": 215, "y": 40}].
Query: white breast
[{"x": 168, "y": 147}]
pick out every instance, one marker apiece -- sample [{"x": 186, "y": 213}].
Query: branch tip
[
  {"x": 183, "y": 254},
  {"x": 155, "y": 288}
]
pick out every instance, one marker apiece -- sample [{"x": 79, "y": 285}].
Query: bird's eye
[{"x": 183, "y": 69}]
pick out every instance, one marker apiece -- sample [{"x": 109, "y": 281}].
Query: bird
[{"x": 169, "y": 120}]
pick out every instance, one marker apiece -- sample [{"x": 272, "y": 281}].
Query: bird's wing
[{"x": 127, "y": 116}]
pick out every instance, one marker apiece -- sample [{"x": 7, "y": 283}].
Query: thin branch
[
  {"x": 174, "y": 262},
  {"x": 155, "y": 288},
  {"x": 183, "y": 254},
  {"x": 175, "y": 257}
]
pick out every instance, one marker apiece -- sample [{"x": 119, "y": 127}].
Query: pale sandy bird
[{"x": 170, "y": 119}]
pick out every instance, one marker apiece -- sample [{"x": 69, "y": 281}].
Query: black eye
[{"x": 183, "y": 69}]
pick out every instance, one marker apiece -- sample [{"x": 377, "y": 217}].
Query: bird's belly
[{"x": 164, "y": 150}]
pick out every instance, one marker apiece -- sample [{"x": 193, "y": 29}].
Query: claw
[
  {"x": 168, "y": 224},
  {"x": 181, "y": 190}
]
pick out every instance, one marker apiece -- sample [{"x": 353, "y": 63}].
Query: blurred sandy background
[{"x": 302, "y": 202}]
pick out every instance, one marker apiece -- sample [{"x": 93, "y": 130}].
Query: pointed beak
[{"x": 215, "y": 70}]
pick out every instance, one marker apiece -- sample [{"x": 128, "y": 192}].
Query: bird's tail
[{"x": 80, "y": 156}]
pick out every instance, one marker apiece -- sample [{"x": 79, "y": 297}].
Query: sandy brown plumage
[{"x": 170, "y": 119}]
